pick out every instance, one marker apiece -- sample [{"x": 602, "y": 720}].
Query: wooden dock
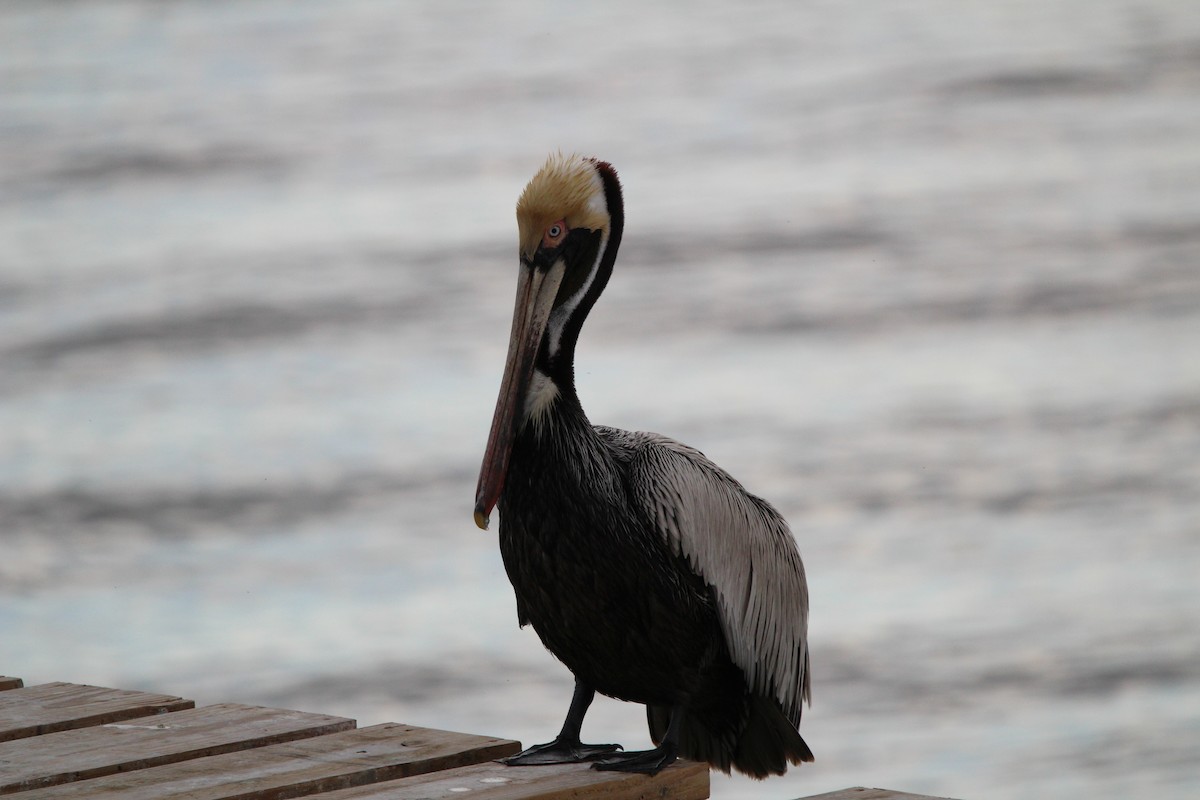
[{"x": 66, "y": 740}]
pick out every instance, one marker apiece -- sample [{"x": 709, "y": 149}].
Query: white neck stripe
[{"x": 560, "y": 315}]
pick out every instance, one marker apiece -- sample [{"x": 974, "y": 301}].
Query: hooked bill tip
[{"x": 481, "y": 519}]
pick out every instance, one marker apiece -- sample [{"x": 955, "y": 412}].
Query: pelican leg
[
  {"x": 650, "y": 762},
  {"x": 566, "y": 747}
]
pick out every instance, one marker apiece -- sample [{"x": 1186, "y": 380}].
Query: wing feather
[{"x": 743, "y": 548}]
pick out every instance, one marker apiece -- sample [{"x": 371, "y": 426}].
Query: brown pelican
[{"x": 643, "y": 566}]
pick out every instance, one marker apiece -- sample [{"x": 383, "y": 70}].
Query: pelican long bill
[{"x": 536, "y": 290}]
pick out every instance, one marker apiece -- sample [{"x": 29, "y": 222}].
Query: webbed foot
[
  {"x": 650, "y": 762},
  {"x": 560, "y": 751}
]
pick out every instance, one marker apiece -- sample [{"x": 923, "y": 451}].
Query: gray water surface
[{"x": 924, "y": 275}]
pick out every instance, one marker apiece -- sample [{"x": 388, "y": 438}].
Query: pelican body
[{"x": 653, "y": 575}]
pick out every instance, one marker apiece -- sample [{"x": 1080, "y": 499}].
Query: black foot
[
  {"x": 560, "y": 752},
  {"x": 651, "y": 762}
]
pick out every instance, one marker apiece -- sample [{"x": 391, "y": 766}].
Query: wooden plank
[
  {"x": 149, "y": 741},
  {"x": 683, "y": 780},
  {"x": 294, "y": 769},
  {"x": 864, "y": 793},
  {"x": 52, "y": 707},
  {"x": 7, "y": 683}
]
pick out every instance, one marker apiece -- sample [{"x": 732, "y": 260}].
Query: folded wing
[{"x": 743, "y": 548}]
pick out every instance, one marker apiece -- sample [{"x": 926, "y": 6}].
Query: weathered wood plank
[
  {"x": 7, "y": 683},
  {"x": 294, "y": 769},
  {"x": 149, "y": 741},
  {"x": 52, "y": 707},
  {"x": 863, "y": 793},
  {"x": 683, "y": 780}
]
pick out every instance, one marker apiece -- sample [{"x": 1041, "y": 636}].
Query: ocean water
[{"x": 924, "y": 275}]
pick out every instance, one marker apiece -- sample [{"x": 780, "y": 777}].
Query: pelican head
[{"x": 569, "y": 221}]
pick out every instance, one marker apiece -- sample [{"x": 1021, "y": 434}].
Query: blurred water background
[{"x": 926, "y": 275}]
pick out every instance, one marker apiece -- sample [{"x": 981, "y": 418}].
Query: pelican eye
[{"x": 554, "y": 234}]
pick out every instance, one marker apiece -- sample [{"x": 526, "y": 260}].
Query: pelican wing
[{"x": 742, "y": 547}]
